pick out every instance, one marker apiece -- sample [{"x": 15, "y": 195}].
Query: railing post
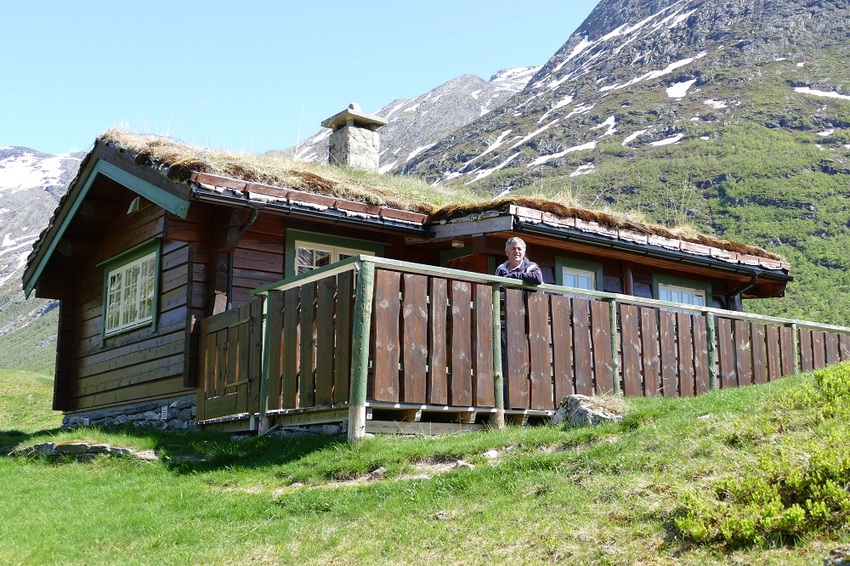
[
  {"x": 364, "y": 295},
  {"x": 498, "y": 419},
  {"x": 711, "y": 341},
  {"x": 615, "y": 342},
  {"x": 262, "y": 421}
]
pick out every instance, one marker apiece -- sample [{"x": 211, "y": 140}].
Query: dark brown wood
[
  {"x": 540, "y": 366},
  {"x": 685, "y": 353},
  {"x": 831, "y": 346},
  {"x": 291, "y": 348},
  {"x": 415, "y": 338},
  {"x": 485, "y": 395},
  {"x": 603, "y": 361},
  {"x": 844, "y": 347},
  {"x": 325, "y": 319},
  {"x": 630, "y": 346},
  {"x": 759, "y": 353},
  {"x": 307, "y": 355},
  {"x": 516, "y": 350},
  {"x": 743, "y": 353},
  {"x": 651, "y": 359},
  {"x": 583, "y": 354},
  {"x": 438, "y": 390},
  {"x": 786, "y": 339},
  {"x": 344, "y": 329},
  {"x": 460, "y": 393},
  {"x": 667, "y": 346},
  {"x": 274, "y": 303},
  {"x": 774, "y": 352},
  {"x": 726, "y": 353},
  {"x": 562, "y": 346},
  {"x": 818, "y": 350},
  {"x": 387, "y": 335},
  {"x": 807, "y": 359},
  {"x": 701, "y": 369}
]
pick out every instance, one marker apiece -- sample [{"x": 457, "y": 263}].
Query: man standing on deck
[{"x": 518, "y": 266}]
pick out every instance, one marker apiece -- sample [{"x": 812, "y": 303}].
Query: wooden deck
[{"x": 385, "y": 345}]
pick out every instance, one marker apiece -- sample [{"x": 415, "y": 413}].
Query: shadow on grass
[{"x": 187, "y": 451}]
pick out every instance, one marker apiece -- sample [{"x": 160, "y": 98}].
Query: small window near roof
[
  {"x": 578, "y": 278},
  {"x": 309, "y": 256},
  {"x": 683, "y": 295},
  {"x": 130, "y": 294}
]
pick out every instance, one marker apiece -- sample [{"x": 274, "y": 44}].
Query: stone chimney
[{"x": 354, "y": 140}]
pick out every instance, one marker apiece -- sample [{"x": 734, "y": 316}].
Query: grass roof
[{"x": 402, "y": 192}]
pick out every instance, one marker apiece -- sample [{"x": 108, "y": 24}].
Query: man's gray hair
[{"x": 515, "y": 240}]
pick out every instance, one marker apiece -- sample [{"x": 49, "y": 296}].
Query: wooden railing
[{"x": 371, "y": 331}]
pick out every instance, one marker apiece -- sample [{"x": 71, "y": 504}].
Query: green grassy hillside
[{"x": 741, "y": 476}]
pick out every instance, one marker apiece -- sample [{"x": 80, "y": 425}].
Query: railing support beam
[
  {"x": 615, "y": 343},
  {"x": 360, "y": 351}
]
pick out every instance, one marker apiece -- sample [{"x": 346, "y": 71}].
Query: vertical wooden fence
[{"x": 429, "y": 337}]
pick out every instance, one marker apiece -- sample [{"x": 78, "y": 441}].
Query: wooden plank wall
[
  {"x": 310, "y": 344},
  {"x": 135, "y": 365},
  {"x": 431, "y": 344},
  {"x": 231, "y": 362}
]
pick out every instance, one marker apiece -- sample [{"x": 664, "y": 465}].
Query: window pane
[{"x": 130, "y": 294}]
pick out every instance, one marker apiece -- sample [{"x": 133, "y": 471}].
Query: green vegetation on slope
[{"x": 665, "y": 486}]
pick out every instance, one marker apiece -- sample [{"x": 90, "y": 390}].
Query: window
[
  {"x": 309, "y": 256},
  {"x": 685, "y": 295},
  {"x": 683, "y": 291},
  {"x": 130, "y": 290},
  {"x": 306, "y": 251},
  {"x": 577, "y": 273},
  {"x": 578, "y": 278}
]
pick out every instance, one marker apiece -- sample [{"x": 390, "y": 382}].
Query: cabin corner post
[
  {"x": 711, "y": 342},
  {"x": 498, "y": 418},
  {"x": 360, "y": 350},
  {"x": 615, "y": 345}
]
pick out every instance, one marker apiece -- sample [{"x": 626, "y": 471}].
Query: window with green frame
[
  {"x": 578, "y": 273},
  {"x": 679, "y": 290},
  {"x": 130, "y": 286},
  {"x": 306, "y": 251}
]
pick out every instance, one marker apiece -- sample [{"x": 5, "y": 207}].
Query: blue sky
[{"x": 250, "y": 75}]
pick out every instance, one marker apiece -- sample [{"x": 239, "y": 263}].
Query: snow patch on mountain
[{"x": 814, "y": 92}]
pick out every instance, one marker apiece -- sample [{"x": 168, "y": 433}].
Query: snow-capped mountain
[
  {"x": 642, "y": 74},
  {"x": 415, "y": 124},
  {"x": 31, "y": 184}
]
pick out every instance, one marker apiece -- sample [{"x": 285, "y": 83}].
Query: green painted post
[
  {"x": 360, "y": 351},
  {"x": 498, "y": 420},
  {"x": 615, "y": 342},
  {"x": 711, "y": 339}
]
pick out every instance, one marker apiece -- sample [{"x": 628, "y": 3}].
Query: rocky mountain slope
[
  {"x": 729, "y": 115},
  {"x": 31, "y": 184},
  {"x": 415, "y": 124}
]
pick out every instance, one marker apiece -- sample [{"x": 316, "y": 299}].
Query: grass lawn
[{"x": 637, "y": 492}]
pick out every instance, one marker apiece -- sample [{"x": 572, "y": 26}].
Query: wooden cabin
[{"x": 175, "y": 278}]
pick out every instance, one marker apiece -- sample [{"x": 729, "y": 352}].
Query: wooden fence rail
[{"x": 429, "y": 337}]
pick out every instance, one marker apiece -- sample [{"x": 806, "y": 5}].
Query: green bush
[{"x": 799, "y": 488}]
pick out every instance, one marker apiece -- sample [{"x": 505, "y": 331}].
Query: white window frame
[
  {"x": 130, "y": 294},
  {"x": 687, "y": 295},
  {"x": 336, "y": 253},
  {"x": 578, "y": 274}
]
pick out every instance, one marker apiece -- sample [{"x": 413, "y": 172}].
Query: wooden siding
[
  {"x": 137, "y": 365},
  {"x": 431, "y": 344}
]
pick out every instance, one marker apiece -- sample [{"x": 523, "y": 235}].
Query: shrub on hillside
[{"x": 799, "y": 488}]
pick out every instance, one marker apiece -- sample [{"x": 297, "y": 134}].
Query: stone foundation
[{"x": 167, "y": 414}]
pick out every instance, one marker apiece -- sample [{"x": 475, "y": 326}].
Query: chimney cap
[{"x": 353, "y": 116}]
